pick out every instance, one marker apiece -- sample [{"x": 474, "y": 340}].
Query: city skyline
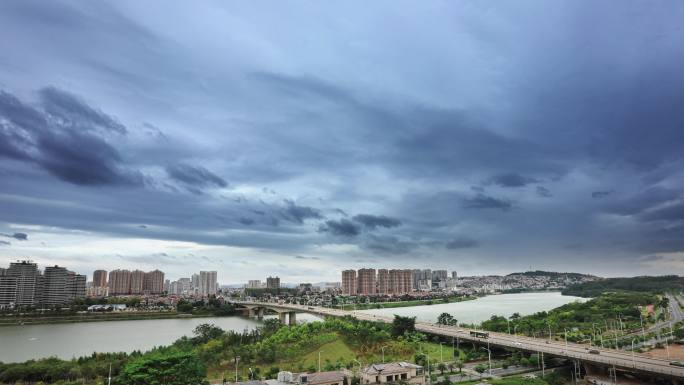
[{"x": 488, "y": 141}]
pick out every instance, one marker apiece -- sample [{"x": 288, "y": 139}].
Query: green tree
[
  {"x": 158, "y": 368},
  {"x": 205, "y": 332},
  {"x": 402, "y": 325},
  {"x": 445, "y": 319},
  {"x": 480, "y": 369},
  {"x": 441, "y": 367},
  {"x": 459, "y": 365}
]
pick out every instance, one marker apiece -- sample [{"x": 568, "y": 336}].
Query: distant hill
[
  {"x": 644, "y": 284},
  {"x": 553, "y": 274}
]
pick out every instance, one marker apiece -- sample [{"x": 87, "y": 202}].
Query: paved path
[{"x": 620, "y": 359}]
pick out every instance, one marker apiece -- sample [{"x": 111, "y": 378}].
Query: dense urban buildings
[
  {"x": 203, "y": 284},
  {"x": 273, "y": 283},
  {"x": 137, "y": 282},
  {"x": 23, "y": 284},
  {"x": 395, "y": 281}
]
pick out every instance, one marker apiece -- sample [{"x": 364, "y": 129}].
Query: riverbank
[
  {"x": 94, "y": 317},
  {"x": 411, "y": 303}
]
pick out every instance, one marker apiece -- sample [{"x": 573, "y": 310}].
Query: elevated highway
[{"x": 614, "y": 359}]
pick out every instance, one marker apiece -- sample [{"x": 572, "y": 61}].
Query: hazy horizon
[{"x": 299, "y": 139}]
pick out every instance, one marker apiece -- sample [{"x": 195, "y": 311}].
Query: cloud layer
[{"x": 300, "y": 140}]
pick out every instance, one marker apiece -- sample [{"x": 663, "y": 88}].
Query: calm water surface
[
  {"x": 482, "y": 309},
  {"x": 20, "y": 343}
]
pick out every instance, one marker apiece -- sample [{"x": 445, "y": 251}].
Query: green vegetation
[
  {"x": 603, "y": 315},
  {"x": 644, "y": 284},
  {"x": 164, "y": 368},
  {"x": 406, "y": 301}
]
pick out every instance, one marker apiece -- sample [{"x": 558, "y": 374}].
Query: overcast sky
[{"x": 302, "y": 138}]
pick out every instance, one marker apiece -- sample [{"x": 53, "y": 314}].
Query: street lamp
[
  {"x": 489, "y": 356},
  {"x": 633, "y": 362},
  {"x": 441, "y": 359},
  {"x": 508, "y": 323},
  {"x": 549, "y": 325},
  {"x": 383, "y": 353},
  {"x": 515, "y": 333},
  {"x": 319, "y": 360},
  {"x": 643, "y": 332},
  {"x": 237, "y": 362},
  {"x": 566, "y": 337}
]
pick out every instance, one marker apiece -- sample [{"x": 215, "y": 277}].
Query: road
[{"x": 630, "y": 361}]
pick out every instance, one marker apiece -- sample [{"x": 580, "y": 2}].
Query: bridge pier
[
  {"x": 281, "y": 316},
  {"x": 260, "y": 314},
  {"x": 252, "y": 313},
  {"x": 292, "y": 318}
]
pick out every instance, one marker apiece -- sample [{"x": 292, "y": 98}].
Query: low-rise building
[
  {"x": 393, "y": 372},
  {"x": 334, "y": 377}
]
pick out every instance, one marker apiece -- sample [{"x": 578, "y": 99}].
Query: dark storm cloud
[
  {"x": 544, "y": 192},
  {"x": 482, "y": 201},
  {"x": 75, "y": 113},
  {"x": 342, "y": 227},
  {"x": 462, "y": 243},
  {"x": 511, "y": 180},
  {"x": 246, "y": 221},
  {"x": 389, "y": 245},
  {"x": 374, "y": 221},
  {"x": 195, "y": 176},
  {"x": 17, "y": 236},
  {"x": 601, "y": 194},
  {"x": 671, "y": 211},
  {"x": 298, "y": 214},
  {"x": 65, "y": 146}
]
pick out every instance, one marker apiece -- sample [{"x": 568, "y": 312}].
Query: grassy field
[{"x": 336, "y": 351}]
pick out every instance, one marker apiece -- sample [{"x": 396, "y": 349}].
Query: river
[
  {"x": 20, "y": 343},
  {"x": 482, "y": 309}
]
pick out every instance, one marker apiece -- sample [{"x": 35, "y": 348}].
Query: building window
[{"x": 403, "y": 376}]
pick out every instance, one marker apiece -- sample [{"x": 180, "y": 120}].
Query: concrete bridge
[
  {"x": 257, "y": 310},
  {"x": 605, "y": 359}
]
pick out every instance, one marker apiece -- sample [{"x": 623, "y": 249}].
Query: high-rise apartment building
[
  {"x": 23, "y": 285},
  {"x": 119, "y": 282},
  {"x": 75, "y": 286},
  {"x": 137, "y": 282},
  {"x": 153, "y": 282},
  {"x": 349, "y": 285},
  {"x": 55, "y": 286},
  {"x": 384, "y": 282},
  {"x": 207, "y": 283},
  {"x": 195, "y": 279},
  {"x": 8, "y": 291},
  {"x": 273, "y": 283},
  {"x": 254, "y": 284},
  {"x": 366, "y": 281},
  {"x": 400, "y": 281},
  {"x": 100, "y": 278},
  {"x": 26, "y": 274}
]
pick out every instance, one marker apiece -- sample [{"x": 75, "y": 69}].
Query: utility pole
[{"x": 109, "y": 379}]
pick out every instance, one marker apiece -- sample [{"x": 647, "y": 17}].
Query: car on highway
[
  {"x": 677, "y": 363},
  {"x": 594, "y": 351}
]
